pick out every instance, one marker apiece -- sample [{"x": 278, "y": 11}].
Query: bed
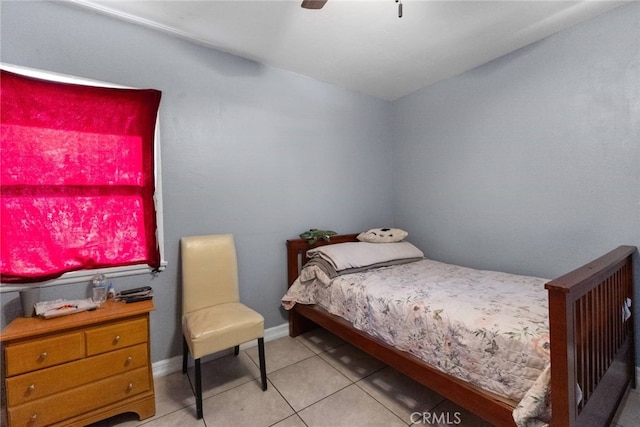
[{"x": 590, "y": 334}]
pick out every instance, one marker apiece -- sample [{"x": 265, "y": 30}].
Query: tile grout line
[{"x": 352, "y": 382}]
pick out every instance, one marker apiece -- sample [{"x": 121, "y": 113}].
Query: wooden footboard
[
  {"x": 592, "y": 348},
  {"x": 592, "y": 339}
]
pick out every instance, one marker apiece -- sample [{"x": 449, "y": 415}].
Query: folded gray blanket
[{"x": 331, "y": 272}]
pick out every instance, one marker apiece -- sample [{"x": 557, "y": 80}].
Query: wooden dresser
[{"x": 80, "y": 368}]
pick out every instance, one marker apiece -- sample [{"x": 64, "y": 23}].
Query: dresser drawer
[
  {"x": 117, "y": 335},
  {"x": 29, "y": 356},
  {"x": 67, "y": 404},
  {"x": 35, "y": 385}
]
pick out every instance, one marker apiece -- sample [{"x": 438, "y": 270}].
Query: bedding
[
  {"x": 383, "y": 235},
  {"x": 327, "y": 262},
  {"x": 344, "y": 256},
  {"x": 487, "y": 328}
]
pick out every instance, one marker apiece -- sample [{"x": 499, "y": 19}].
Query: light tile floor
[{"x": 315, "y": 380}]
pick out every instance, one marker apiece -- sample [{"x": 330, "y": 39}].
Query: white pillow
[
  {"x": 383, "y": 235},
  {"x": 361, "y": 254}
]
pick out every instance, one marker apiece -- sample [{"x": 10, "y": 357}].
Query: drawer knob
[
  {"x": 31, "y": 388},
  {"x": 129, "y": 386},
  {"x": 128, "y": 361},
  {"x": 116, "y": 340},
  {"x": 43, "y": 355},
  {"x": 34, "y": 417}
]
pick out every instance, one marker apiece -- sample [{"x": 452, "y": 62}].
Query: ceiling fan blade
[{"x": 313, "y": 4}]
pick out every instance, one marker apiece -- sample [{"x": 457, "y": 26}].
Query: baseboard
[{"x": 174, "y": 364}]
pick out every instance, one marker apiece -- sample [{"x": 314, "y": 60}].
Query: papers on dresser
[{"x": 62, "y": 307}]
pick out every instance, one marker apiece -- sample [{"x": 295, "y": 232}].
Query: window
[{"x": 79, "y": 179}]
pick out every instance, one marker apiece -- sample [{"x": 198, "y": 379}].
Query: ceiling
[{"x": 361, "y": 44}]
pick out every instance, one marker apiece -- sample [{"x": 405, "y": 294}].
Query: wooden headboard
[{"x": 297, "y": 252}]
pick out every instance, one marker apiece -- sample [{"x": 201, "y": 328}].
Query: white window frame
[{"x": 86, "y": 275}]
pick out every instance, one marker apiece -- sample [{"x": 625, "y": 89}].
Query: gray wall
[
  {"x": 259, "y": 152},
  {"x": 529, "y": 164}
]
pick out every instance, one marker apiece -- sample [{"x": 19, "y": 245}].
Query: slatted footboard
[
  {"x": 592, "y": 348},
  {"x": 592, "y": 339}
]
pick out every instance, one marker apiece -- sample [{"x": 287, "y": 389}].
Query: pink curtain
[{"x": 76, "y": 178}]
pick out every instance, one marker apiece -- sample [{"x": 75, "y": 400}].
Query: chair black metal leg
[
  {"x": 263, "y": 366},
  {"x": 198, "y": 391},
  {"x": 185, "y": 354},
  {"x": 236, "y": 350}
]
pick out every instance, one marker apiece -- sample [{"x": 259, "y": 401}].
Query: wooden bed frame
[{"x": 590, "y": 343}]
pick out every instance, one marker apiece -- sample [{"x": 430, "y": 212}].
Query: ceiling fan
[
  {"x": 313, "y": 4},
  {"x": 318, "y": 4}
]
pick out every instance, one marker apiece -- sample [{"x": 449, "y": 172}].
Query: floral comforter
[{"x": 487, "y": 328}]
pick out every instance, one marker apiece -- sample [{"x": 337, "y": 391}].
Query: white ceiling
[{"x": 362, "y": 44}]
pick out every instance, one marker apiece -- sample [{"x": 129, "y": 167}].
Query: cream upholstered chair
[{"x": 213, "y": 319}]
